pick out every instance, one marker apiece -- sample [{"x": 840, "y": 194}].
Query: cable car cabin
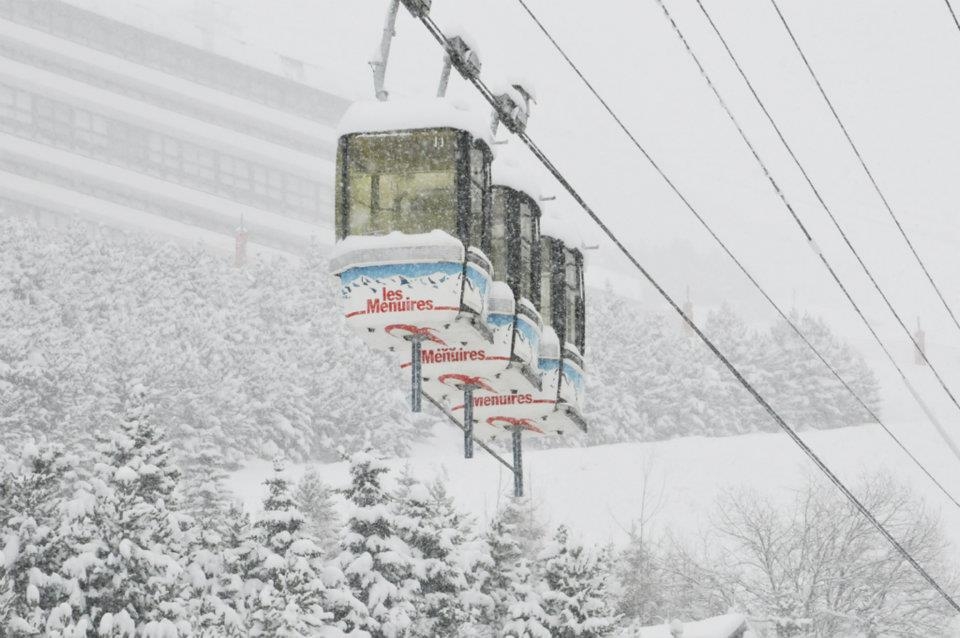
[
  {"x": 562, "y": 302},
  {"x": 412, "y": 211},
  {"x": 510, "y": 364},
  {"x": 513, "y": 318},
  {"x": 557, "y": 407},
  {"x": 515, "y": 255}
]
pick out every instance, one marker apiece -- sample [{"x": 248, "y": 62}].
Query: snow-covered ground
[{"x": 599, "y": 490}]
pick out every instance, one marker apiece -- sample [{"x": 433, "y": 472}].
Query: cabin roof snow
[
  {"x": 411, "y": 114},
  {"x": 509, "y": 173},
  {"x": 561, "y": 227}
]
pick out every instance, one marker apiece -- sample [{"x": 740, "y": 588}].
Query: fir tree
[
  {"x": 34, "y": 592},
  {"x": 128, "y": 542},
  {"x": 445, "y": 560},
  {"x": 526, "y": 616},
  {"x": 203, "y": 493},
  {"x": 315, "y": 500},
  {"x": 507, "y": 560},
  {"x": 640, "y": 595},
  {"x": 377, "y": 563},
  {"x": 575, "y": 589},
  {"x": 223, "y": 610},
  {"x": 289, "y": 592}
]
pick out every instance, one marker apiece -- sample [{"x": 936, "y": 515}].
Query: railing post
[
  {"x": 416, "y": 379},
  {"x": 468, "y": 421},
  {"x": 516, "y": 435}
]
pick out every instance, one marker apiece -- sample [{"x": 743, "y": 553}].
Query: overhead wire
[
  {"x": 836, "y": 223},
  {"x": 755, "y": 282},
  {"x": 953, "y": 14},
  {"x": 809, "y": 238},
  {"x": 488, "y": 95},
  {"x": 863, "y": 164},
  {"x": 812, "y": 242}
]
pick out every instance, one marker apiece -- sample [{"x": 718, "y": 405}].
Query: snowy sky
[{"x": 892, "y": 68}]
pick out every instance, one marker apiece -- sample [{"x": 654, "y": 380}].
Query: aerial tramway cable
[
  {"x": 806, "y": 233},
  {"x": 757, "y": 285},
  {"x": 809, "y": 238},
  {"x": 953, "y": 14},
  {"x": 539, "y": 154},
  {"x": 866, "y": 169},
  {"x": 950, "y": 443}
]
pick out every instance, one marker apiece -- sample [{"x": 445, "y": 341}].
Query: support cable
[
  {"x": 809, "y": 238},
  {"x": 756, "y": 283},
  {"x": 812, "y": 243},
  {"x": 540, "y": 155},
  {"x": 866, "y": 169},
  {"x": 950, "y": 443},
  {"x": 953, "y": 14}
]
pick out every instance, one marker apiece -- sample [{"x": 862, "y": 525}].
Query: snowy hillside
[
  {"x": 257, "y": 361},
  {"x": 599, "y": 490}
]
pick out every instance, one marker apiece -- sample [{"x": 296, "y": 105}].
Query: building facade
[{"x": 110, "y": 123}]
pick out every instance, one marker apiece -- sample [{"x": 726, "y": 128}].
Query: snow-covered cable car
[
  {"x": 412, "y": 210},
  {"x": 518, "y": 399},
  {"x": 416, "y": 216},
  {"x": 563, "y": 304}
]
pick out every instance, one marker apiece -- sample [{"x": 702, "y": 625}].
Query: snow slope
[{"x": 598, "y": 490}]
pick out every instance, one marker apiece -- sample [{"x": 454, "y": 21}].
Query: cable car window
[
  {"x": 574, "y": 299},
  {"x": 479, "y": 179},
  {"x": 546, "y": 280},
  {"x": 402, "y": 181},
  {"x": 498, "y": 233},
  {"x": 527, "y": 239}
]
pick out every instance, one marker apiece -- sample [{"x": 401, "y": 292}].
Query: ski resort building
[{"x": 107, "y": 122}]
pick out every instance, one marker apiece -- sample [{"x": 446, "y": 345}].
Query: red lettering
[
  {"x": 502, "y": 399},
  {"x": 393, "y": 301}
]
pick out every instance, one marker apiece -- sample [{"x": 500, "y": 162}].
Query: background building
[{"x": 112, "y": 123}]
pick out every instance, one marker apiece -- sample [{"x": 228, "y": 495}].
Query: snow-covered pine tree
[
  {"x": 377, "y": 563},
  {"x": 204, "y": 495},
  {"x": 315, "y": 499},
  {"x": 833, "y": 405},
  {"x": 288, "y": 592},
  {"x": 734, "y": 411},
  {"x": 575, "y": 589},
  {"x": 127, "y": 541},
  {"x": 640, "y": 595},
  {"x": 204, "y": 569},
  {"x": 32, "y": 584},
  {"x": 444, "y": 558},
  {"x": 526, "y": 615},
  {"x": 218, "y": 574},
  {"x": 508, "y": 555}
]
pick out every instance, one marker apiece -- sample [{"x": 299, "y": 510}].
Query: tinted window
[
  {"x": 402, "y": 181},
  {"x": 546, "y": 282},
  {"x": 528, "y": 245},
  {"x": 574, "y": 298},
  {"x": 498, "y": 232},
  {"x": 479, "y": 187}
]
